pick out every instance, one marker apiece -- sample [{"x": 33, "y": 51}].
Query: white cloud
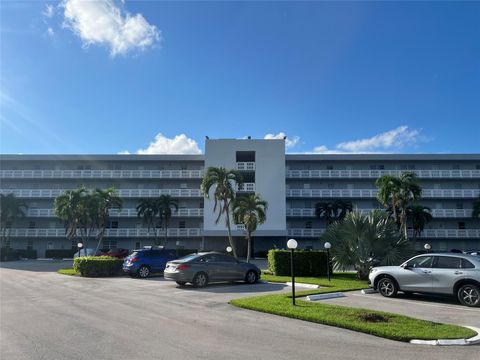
[
  {"x": 289, "y": 143},
  {"x": 385, "y": 142},
  {"x": 50, "y": 32},
  {"x": 123, "y": 152},
  {"x": 49, "y": 11},
  {"x": 180, "y": 144},
  {"x": 102, "y": 22}
]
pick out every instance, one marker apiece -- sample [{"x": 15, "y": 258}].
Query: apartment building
[{"x": 292, "y": 185}]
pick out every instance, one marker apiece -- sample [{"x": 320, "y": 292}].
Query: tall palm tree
[
  {"x": 67, "y": 209},
  {"x": 11, "y": 209},
  {"x": 250, "y": 211},
  {"x": 148, "y": 210},
  {"x": 165, "y": 204},
  {"x": 476, "y": 208},
  {"x": 419, "y": 215},
  {"x": 333, "y": 210},
  {"x": 388, "y": 190},
  {"x": 224, "y": 181},
  {"x": 366, "y": 241},
  {"x": 105, "y": 200}
]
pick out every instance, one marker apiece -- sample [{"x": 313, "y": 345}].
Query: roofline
[
  {"x": 99, "y": 157},
  {"x": 382, "y": 157}
]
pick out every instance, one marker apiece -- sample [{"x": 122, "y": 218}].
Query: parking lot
[{"x": 45, "y": 315}]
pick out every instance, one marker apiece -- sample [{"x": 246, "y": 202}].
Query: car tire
[
  {"x": 143, "y": 272},
  {"x": 181, "y": 283},
  {"x": 200, "y": 280},
  {"x": 251, "y": 277},
  {"x": 469, "y": 295},
  {"x": 387, "y": 287}
]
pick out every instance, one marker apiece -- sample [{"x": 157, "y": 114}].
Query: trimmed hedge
[
  {"x": 307, "y": 263},
  {"x": 60, "y": 253},
  {"x": 28, "y": 254},
  {"x": 97, "y": 266},
  {"x": 8, "y": 254}
]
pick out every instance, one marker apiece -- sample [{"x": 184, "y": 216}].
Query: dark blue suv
[{"x": 143, "y": 262}]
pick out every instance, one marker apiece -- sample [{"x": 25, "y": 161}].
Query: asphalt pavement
[{"x": 44, "y": 315}]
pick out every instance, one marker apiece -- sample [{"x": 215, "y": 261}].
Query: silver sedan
[
  {"x": 203, "y": 268},
  {"x": 442, "y": 273}
]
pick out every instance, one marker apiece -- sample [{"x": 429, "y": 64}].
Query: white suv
[{"x": 442, "y": 273}]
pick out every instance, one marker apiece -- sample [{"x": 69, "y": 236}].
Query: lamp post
[
  {"x": 327, "y": 246},
  {"x": 427, "y": 247},
  {"x": 292, "y": 245},
  {"x": 79, "y": 245}
]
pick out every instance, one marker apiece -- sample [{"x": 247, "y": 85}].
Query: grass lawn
[
  {"x": 70, "y": 272},
  {"x": 383, "y": 324}
]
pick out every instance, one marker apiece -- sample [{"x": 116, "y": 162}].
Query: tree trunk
[
  {"x": 249, "y": 246},
  {"x": 230, "y": 240},
  {"x": 362, "y": 272},
  {"x": 166, "y": 234}
]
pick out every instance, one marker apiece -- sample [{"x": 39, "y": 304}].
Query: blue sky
[{"x": 156, "y": 77}]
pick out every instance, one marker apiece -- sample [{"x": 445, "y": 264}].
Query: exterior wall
[{"x": 292, "y": 185}]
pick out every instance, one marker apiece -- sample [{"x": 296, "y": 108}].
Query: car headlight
[{"x": 373, "y": 270}]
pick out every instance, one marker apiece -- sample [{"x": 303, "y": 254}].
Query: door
[
  {"x": 447, "y": 270},
  {"x": 416, "y": 275},
  {"x": 232, "y": 270}
]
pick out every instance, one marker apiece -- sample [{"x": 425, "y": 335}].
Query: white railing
[
  {"x": 121, "y": 213},
  {"x": 125, "y": 232},
  {"x": 245, "y": 166},
  {"x": 248, "y": 187},
  {"x": 437, "y": 213},
  {"x": 428, "y": 233},
  {"x": 371, "y": 193},
  {"x": 124, "y": 193},
  {"x": 373, "y": 174},
  {"x": 101, "y": 174}
]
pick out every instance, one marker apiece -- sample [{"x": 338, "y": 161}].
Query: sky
[{"x": 108, "y": 77}]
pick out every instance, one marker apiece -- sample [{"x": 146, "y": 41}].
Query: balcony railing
[
  {"x": 428, "y": 233},
  {"x": 122, "y": 213},
  {"x": 373, "y": 174},
  {"x": 124, "y": 193},
  {"x": 122, "y": 232},
  {"x": 246, "y": 187},
  {"x": 101, "y": 174},
  {"x": 245, "y": 166},
  {"x": 437, "y": 213},
  {"x": 372, "y": 193}
]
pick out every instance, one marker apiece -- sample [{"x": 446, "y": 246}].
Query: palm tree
[
  {"x": 476, "y": 208},
  {"x": 250, "y": 211},
  {"x": 333, "y": 211},
  {"x": 397, "y": 193},
  {"x": 224, "y": 181},
  {"x": 11, "y": 209},
  {"x": 148, "y": 210},
  {"x": 419, "y": 215},
  {"x": 165, "y": 204},
  {"x": 366, "y": 241},
  {"x": 104, "y": 200},
  {"x": 67, "y": 209}
]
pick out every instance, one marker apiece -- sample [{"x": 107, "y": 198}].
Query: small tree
[
  {"x": 250, "y": 211},
  {"x": 104, "y": 201},
  {"x": 333, "y": 210},
  {"x": 11, "y": 209},
  {"x": 148, "y": 211},
  {"x": 476, "y": 209},
  {"x": 165, "y": 205},
  {"x": 419, "y": 216}
]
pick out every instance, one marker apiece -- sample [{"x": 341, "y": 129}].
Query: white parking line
[{"x": 420, "y": 302}]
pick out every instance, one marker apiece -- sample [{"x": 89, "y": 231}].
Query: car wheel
[
  {"x": 144, "y": 271},
  {"x": 181, "y": 283},
  {"x": 200, "y": 280},
  {"x": 387, "y": 287},
  {"x": 251, "y": 277},
  {"x": 469, "y": 295}
]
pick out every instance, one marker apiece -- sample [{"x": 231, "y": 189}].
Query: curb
[
  {"x": 325, "y": 296},
  {"x": 450, "y": 342},
  {"x": 309, "y": 286}
]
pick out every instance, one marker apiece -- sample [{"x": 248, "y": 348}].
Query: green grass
[
  {"x": 391, "y": 326},
  {"x": 70, "y": 272}
]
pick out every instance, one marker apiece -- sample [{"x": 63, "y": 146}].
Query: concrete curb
[
  {"x": 451, "y": 342},
  {"x": 325, "y": 296},
  {"x": 309, "y": 286}
]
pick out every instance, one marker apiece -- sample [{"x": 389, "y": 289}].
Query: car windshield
[
  {"x": 135, "y": 254},
  {"x": 188, "y": 257}
]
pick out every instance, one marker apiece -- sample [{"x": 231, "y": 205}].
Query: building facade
[{"x": 292, "y": 185}]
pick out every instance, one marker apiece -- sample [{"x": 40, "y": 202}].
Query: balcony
[
  {"x": 437, "y": 213},
  {"x": 372, "y": 193},
  {"x": 122, "y": 213},
  {"x": 246, "y": 187},
  {"x": 245, "y": 166},
  {"x": 101, "y": 174},
  {"x": 373, "y": 174},
  {"x": 124, "y": 193},
  {"x": 125, "y": 232},
  {"x": 428, "y": 233}
]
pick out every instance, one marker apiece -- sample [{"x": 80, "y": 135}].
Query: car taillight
[
  {"x": 183, "y": 267},
  {"x": 132, "y": 260}
]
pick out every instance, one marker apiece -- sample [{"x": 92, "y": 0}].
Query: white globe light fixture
[
  {"x": 292, "y": 244},
  {"x": 327, "y": 245},
  {"x": 80, "y": 245},
  {"x": 427, "y": 247},
  {"x": 229, "y": 249}
]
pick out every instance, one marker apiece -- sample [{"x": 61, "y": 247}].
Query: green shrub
[
  {"x": 60, "y": 253},
  {"x": 8, "y": 254},
  {"x": 307, "y": 263},
  {"x": 97, "y": 265}
]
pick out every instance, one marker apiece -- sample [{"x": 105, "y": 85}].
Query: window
[
  {"x": 109, "y": 244},
  {"x": 183, "y": 167},
  {"x": 114, "y": 224},
  {"x": 459, "y": 206},
  {"x": 373, "y": 167},
  {"x": 201, "y": 205},
  {"x": 411, "y": 167},
  {"x": 447, "y": 262},
  {"x": 226, "y": 258},
  {"x": 458, "y": 186},
  {"x": 331, "y": 186},
  {"x": 477, "y": 166},
  {"x": 181, "y": 224},
  {"x": 137, "y": 245},
  {"x": 29, "y": 244},
  {"x": 461, "y": 225},
  {"x": 421, "y": 262},
  {"x": 183, "y": 186},
  {"x": 31, "y": 225},
  {"x": 329, "y": 167},
  {"x": 306, "y": 186},
  {"x": 456, "y": 167},
  {"x": 308, "y": 225},
  {"x": 74, "y": 244},
  {"x": 381, "y": 167},
  {"x": 209, "y": 258},
  {"x": 8, "y": 224},
  {"x": 8, "y": 243},
  {"x": 467, "y": 264}
]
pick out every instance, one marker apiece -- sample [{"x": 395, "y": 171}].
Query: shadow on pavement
[{"x": 37, "y": 265}]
